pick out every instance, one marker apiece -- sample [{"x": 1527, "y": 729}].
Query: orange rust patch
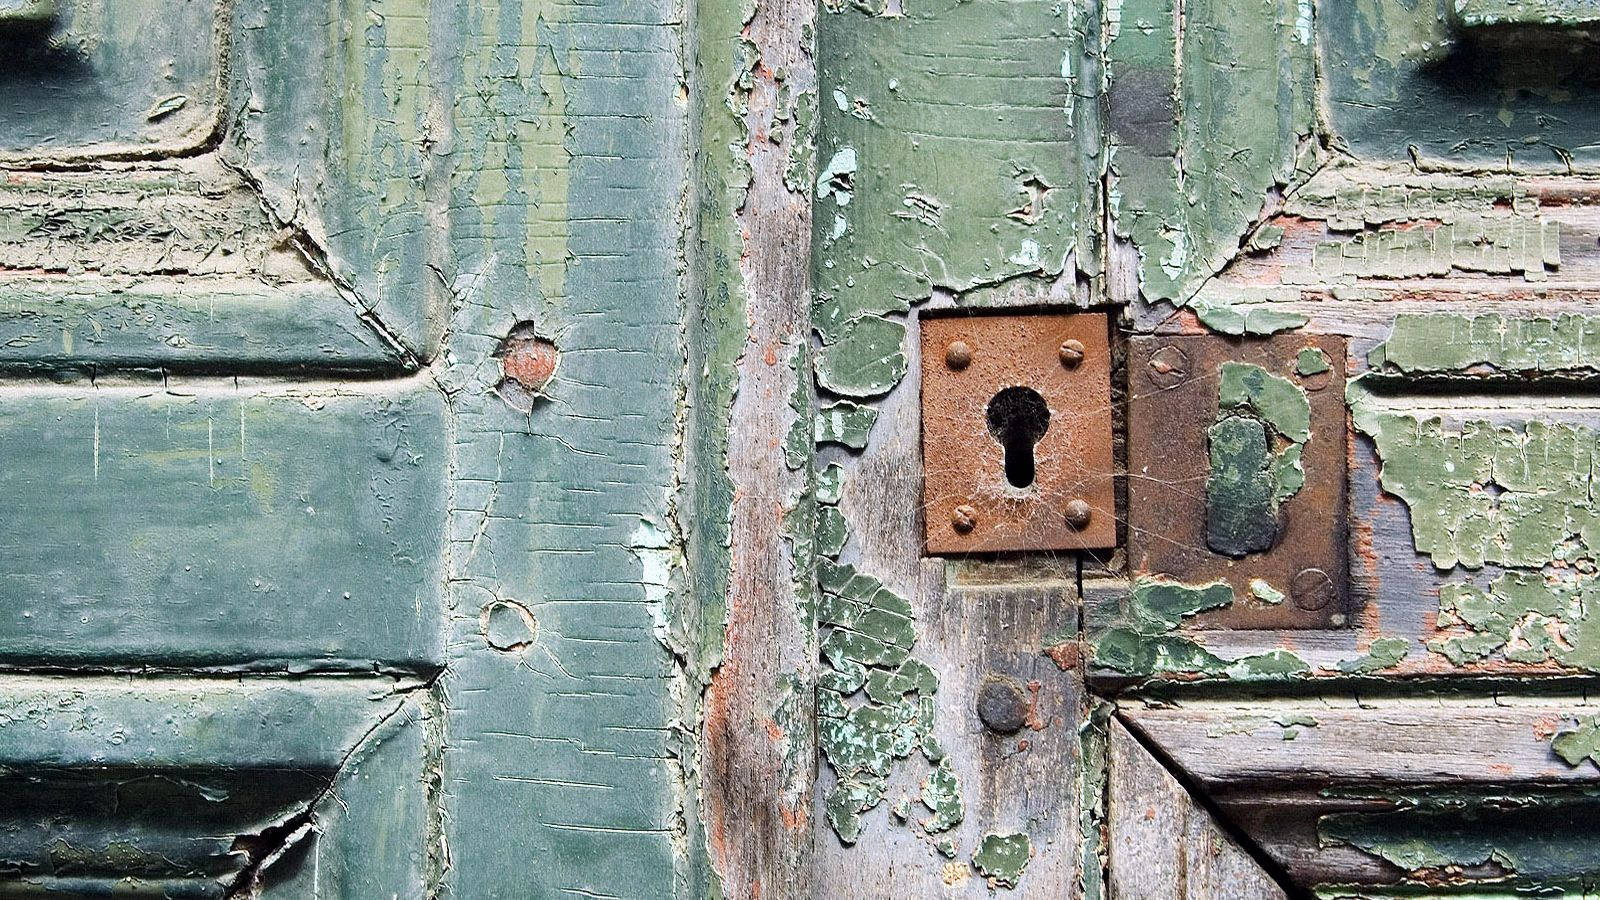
[
  {"x": 1066, "y": 656},
  {"x": 529, "y": 361}
]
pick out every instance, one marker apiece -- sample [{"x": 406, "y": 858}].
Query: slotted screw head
[
  {"x": 964, "y": 519},
  {"x": 1071, "y": 352},
  {"x": 1078, "y": 513},
  {"x": 958, "y": 355}
]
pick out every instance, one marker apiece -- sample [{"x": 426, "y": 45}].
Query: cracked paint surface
[{"x": 875, "y": 703}]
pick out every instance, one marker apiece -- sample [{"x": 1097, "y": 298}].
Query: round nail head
[
  {"x": 1071, "y": 352},
  {"x": 958, "y": 355},
  {"x": 964, "y": 519},
  {"x": 1078, "y": 513},
  {"x": 1001, "y": 705}
]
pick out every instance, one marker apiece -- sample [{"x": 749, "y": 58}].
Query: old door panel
[{"x": 227, "y": 526}]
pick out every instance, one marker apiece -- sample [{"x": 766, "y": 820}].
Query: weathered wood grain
[
  {"x": 1464, "y": 770},
  {"x": 981, "y": 623},
  {"x": 1164, "y": 845},
  {"x": 750, "y": 539}
]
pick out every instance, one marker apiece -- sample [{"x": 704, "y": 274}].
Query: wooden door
[
  {"x": 341, "y": 350},
  {"x": 1339, "y": 644},
  {"x": 481, "y": 450}
]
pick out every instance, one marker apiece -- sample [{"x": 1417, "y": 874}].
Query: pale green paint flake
[
  {"x": 845, "y": 422},
  {"x": 1311, "y": 361},
  {"x": 1579, "y": 742},
  {"x": 1159, "y": 605},
  {"x": 1002, "y": 857},
  {"x": 1278, "y": 401},
  {"x": 1235, "y": 318},
  {"x": 832, "y": 530},
  {"x": 867, "y": 638},
  {"x": 1263, "y": 590},
  {"x": 867, "y": 360},
  {"x": 1146, "y": 643},
  {"x": 1382, "y": 653},
  {"x": 1495, "y": 344}
]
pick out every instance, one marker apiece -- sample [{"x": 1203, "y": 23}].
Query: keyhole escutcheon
[{"x": 1018, "y": 419}]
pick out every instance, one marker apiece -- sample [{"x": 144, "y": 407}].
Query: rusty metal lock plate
[
  {"x": 1237, "y": 466},
  {"x": 1016, "y": 433}
]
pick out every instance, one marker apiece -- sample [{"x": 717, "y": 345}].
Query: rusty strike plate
[
  {"x": 1181, "y": 508},
  {"x": 1016, "y": 433}
]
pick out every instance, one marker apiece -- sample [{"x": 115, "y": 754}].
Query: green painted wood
[
  {"x": 1474, "y": 85},
  {"x": 177, "y": 786},
  {"x": 222, "y": 526},
  {"x": 51, "y": 325},
  {"x": 560, "y": 769},
  {"x": 339, "y": 106},
  {"x": 110, "y": 78}
]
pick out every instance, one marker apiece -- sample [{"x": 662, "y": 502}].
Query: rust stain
[
  {"x": 1066, "y": 656},
  {"x": 1032, "y": 719}
]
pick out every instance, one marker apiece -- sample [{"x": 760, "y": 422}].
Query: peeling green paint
[
  {"x": 1144, "y": 644},
  {"x": 867, "y": 638},
  {"x": 1529, "y": 247},
  {"x": 933, "y": 185},
  {"x": 1580, "y": 742},
  {"x": 1279, "y": 402},
  {"x": 1483, "y": 492},
  {"x": 1203, "y": 127},
  {"x": 845, "y": 422},
  {"x": 867, "y": 360},
  {"x": 1425, "y": 83},
  {"x": 831, "y": 530},
  {"x": 1236, "y": 318},
  {"x": 1094, "y": 761},
  {"x": 1566, "y": 346},
  {"x": 1311, "y": 361},
  {"x": 1522, "y": 843},
  {"x": 941, "y": 794},
  {"x": 1263, "y": 590},
  {"x": 1382, "y": 653},
  {"x": 1527, "y": 617},
  {"x": 1161, "y": 605},
  {"x": 1263, "y": 422},
  {"x": 1002, "y": 857}
]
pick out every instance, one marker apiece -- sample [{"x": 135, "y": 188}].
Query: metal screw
[
  {"x": 1002, "y": 707},
  {"x": 1078, "y": 513},
  {"x": 964, "y": 519},
  {"x": 1169, "y": 367},
  {"x": 958, "y": 355},
  {"x": 1071, "y": 352},
  {"x": 1312, "y": 589}
]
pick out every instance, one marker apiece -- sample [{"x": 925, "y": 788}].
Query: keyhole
[{"x": 1018, "y": 418}]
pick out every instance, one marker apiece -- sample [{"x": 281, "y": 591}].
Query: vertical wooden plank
[
  {"x": 749, "y": 490},
  {"x": 981, "y": 625},
  {"x": 1164, "y": 846}
]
